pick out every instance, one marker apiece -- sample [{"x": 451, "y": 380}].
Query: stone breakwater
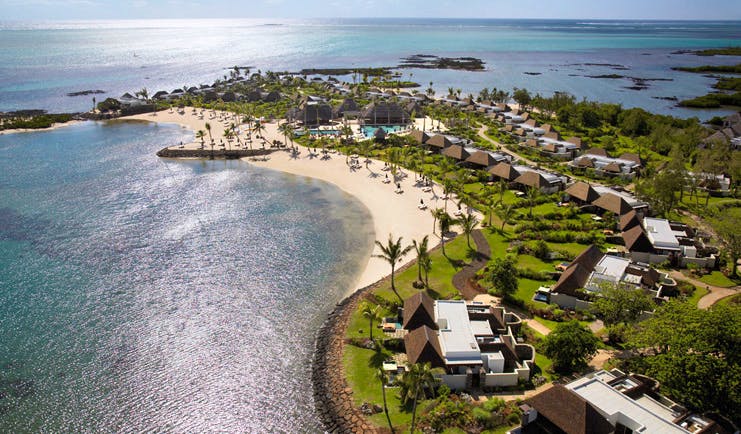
[
  {"x": 332, "y": 395},
  {"x": 216, "y": 153}
]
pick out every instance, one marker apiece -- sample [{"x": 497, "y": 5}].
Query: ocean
[
  {"x": 40, "y": 62},
  {"x": 139, "y": 294}
]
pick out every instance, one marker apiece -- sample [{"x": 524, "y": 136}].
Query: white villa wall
[
  {"x": 501, "y": 380},
  {"x": 455, "y": 382},
  {"x": 651, "y": 258},
  {"x": 568, "y": 301}
]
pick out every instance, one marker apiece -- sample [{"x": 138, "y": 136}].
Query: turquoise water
[
  {"x": 140, "y": 294},
  {"x": 368, "y": 131},
  {"x": 41, "y": 62}
]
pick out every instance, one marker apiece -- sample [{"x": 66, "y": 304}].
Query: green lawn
[
  {"x": 544, "y": 364},
  {"x": 697, "y": 295},
  {"x": 716, "y": 278},
  {"x": 733, "y": 299},
  {"x": 527, "y": 288},
  {"x": 366, "y": 388},
  {"x": 535, "y": 264}
]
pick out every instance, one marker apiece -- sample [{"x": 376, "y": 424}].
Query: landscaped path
[
  {"x": 502, "y": 148},
  {"x": 716, "y": 292},
  {"x": 462, "y": 279}
]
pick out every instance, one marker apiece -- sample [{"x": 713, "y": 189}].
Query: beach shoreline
[
  {"x": 391, "y": 213},
  {"x": 36, "y": 130}
]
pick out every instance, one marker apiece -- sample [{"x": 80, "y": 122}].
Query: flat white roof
[
  {"x": 660, "y": 233},
  {"x": 617, "y": 407},
  {"x": 481, "y": 328},
  {"x": 609, "y": 269},
  {"x": 457, "y": 339}
]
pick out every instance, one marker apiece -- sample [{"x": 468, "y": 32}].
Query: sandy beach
[{"x": 391, "y": 212}]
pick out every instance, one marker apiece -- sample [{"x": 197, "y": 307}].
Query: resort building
[
  {"x": 597, "y": 159},
  {"x": 591, "y": 271},
  {"x": 610, "y": 402},
  {"x": 618, "y": 201},
  {"x": 384, "y": 113},
  {"x": 655, "y": 241},
  {"x": 474, "y": 343}
]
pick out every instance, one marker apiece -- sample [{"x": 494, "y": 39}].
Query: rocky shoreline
[
  {"x": 333, "y": 397},
  {"x": 231, "y": 154}
]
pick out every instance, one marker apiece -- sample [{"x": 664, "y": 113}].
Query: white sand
[{"x": 392, "y": 213}]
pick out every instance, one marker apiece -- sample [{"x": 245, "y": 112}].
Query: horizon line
[{"x": 374, "y": 18}]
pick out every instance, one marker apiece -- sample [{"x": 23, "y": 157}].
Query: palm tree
[
  {"x": 415, "y": 380},
  {"x": 427, "y": 266},
  {"x": 393, "y": 252},
  {"x": 468, "y": 223},
  {"x": 421, "y": 249},
  {"x": 208, "y": 128},
  {"x": 532, "y": 195},
  {"x": 505, "y": 214},
  {"x": 444, "y": 222},
  {"x": 228, "y": 135},
  {"x": 200, "y": 134},
  {"x": 372, "y": 313},
  {"x": 383, "y": 378},
  {"x": 287, "y": 130}
]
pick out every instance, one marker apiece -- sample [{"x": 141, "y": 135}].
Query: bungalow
[
  {"x": 483, "y": 159},
  {"x": 627, "y": 165},
  {"x": 610, "y": 402},
  {"x": 419, "y": 137},
  {"x": 581, "y": 193},
  {"x": 386, "y": 113},
  {"x": 589, "y": 272},
  {"x": 504, "y": 171},
  {"x": 473, "y": 343},
  {"x": 311, "y": 113},
  {"x": 441, "y": 141},
  {"x": 618, "y": 201},
  {"x": 456, "y": 152},
  {"x": 348, "y": 108},
  {"x": 658, "y": 240},
  {"x": 547, "y": 183}
]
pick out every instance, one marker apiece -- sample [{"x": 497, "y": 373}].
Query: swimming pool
[{"x": 368, "y": 131}]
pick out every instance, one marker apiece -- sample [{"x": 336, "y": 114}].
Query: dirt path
[
  {"x": 502, "y": 148},
  {"x": 716, "y": 292},
  {"x": 462, "y": 279}
]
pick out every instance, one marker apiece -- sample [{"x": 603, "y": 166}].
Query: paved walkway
[
  {"x": 502, "y": 148},
  {"x": 716, "y": 292},
  {"x": 462, "y": 279}
]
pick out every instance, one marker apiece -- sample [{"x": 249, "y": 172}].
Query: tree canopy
[
  {"x": 694, "y": 354},
  {"x": 621, "y": 305},
  {"x": 570, "y": 345},
  {"x": 503, "y": 276}
]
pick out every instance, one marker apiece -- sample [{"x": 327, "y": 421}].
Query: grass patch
[
  {"x": 527, "y": 288},
  {"x": 716, "y": 278},
  {"x": 361, "y": 378},
  {"x": 697, "y": 295},
  {"x": 731, "y": 300}
]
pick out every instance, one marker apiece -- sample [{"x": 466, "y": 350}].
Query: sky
[{"x": 546, "y": 9}]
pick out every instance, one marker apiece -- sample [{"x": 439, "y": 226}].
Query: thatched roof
[
  {"x": 530, "y": 122},
  {"x": 348, "y": 105},
  {"x": 613, "y": 203},
  {"x": 439, "y": 141},
  {"x": 160, "y": 94},
  {"x": 509, "y": 128},
  {"x": 531, "y": 143},
  {"x": 575, "y": 140},
  {"x": 569, "y": 412},
  {"x": 596, "y": 151},
  {"x": 520, "y": 131},
  {"x": 547, "y": 128},
  {"x": 637, "y": 241},
  {"x": 583, "y": 192},
  {"x": 312, "y": 114},
  {"x": 379, "y": 134},
  {"x": 553, "y": 135},
  {"x": 456, "y": 152},
  {"x": 629, "y": 220},
  {"x": 423, "y": 346},
  {"x": 504, "y": 171},
  {"x": 419, "y": 310},
  {"x": 613, "y": 167},
  {"x": 419, "y": 136},
  {"x": 384, "y": 112},
  {"x": 532, "y": 179},
  {"x": 550, "y": 147},
  {"x": 585, "y": 162},
  {"x": 577, "y": 273},
  {"x": 631, "y": 157},
  {"x": 481, "y": 158}
]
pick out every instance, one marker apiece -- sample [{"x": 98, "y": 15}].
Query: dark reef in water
[{"x": 428, "y": 61}]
